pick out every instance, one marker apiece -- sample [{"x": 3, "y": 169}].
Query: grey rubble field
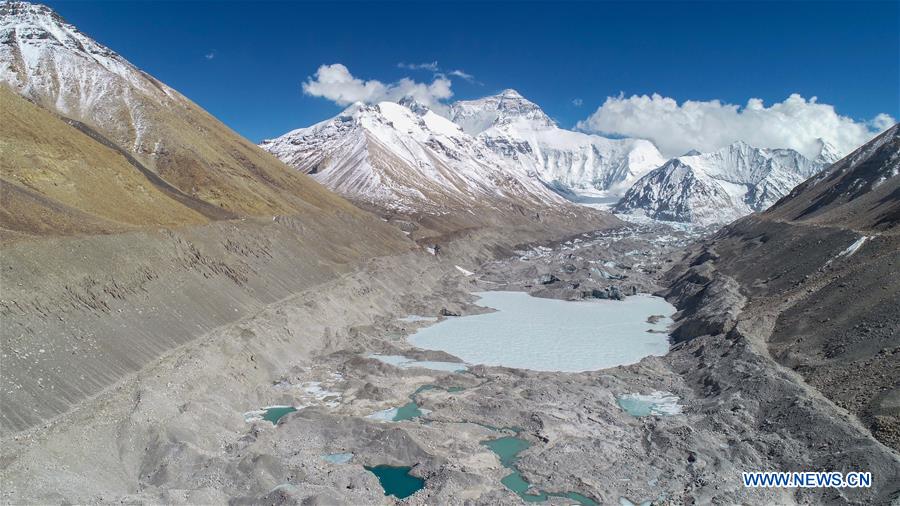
[
  {"x": 82, "y": 313},
  {"x": 178, "y": 433}
]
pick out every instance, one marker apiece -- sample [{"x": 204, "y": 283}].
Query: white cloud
[
  {"x": 463, "y": 74},
  {"x": 210, "y": 55},
  {"x": 432, "y": 66},
  {"x": 577, "y": 102},
  {"x": 336, "y": 83},
  {"x": 709, "y": 125}
]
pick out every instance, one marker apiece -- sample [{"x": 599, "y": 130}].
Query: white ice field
[{"x": 553, "y": 335}]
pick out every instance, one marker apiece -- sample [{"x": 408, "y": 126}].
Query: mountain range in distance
[{"x": 403, "y": 156}]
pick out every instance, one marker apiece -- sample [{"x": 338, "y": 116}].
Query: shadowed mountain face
[
  {"x": 821, "y": 266},
  {"x": 861, "y": 191},
  {"x": 154, "y": 156}
]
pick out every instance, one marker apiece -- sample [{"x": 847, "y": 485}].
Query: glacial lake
[
  {"x": 552, "y": 335},
  {"x": 508, "y": 449},
  {"x": 397, "y": 481}
]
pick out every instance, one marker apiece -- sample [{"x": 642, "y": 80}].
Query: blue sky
[{"x": 245, "y": 62}]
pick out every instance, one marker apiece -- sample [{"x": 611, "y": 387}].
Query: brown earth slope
[
  {"x": 57, "y": 179},
  {"x": 176, "y": 150}
]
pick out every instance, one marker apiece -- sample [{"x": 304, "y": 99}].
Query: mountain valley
[{"x": 191, "y": 318}]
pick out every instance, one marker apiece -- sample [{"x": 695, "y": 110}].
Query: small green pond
[
  {"x": 396, "y": 480},
  {"x": 508, "y": 449},
  {"x": 274, "y": 414},
  {"x": 407, "y": 411},
  {"x": 411, "y": 409},
  {"x": 270, "y": 414}
]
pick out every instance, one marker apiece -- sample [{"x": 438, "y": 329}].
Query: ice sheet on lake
[
  {"x": 386, "y": 415},
  {"x": 406, "y": 363},
  {"x": 399, "y": 414},
  {"x": 656, "y": 403},
  {"x": 552, "y": 335},
  {"x": 338, "y": 458},
  {"x": 315, "y": 390},
  {"x": 624, "y": 501}
]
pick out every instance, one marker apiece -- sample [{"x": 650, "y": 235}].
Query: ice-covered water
[
  {"x": 552, "y": 335},
  {"x": 269, "y": 413},
  {"x": 656, "y": 403},
  {"x": 406, "y": 362},
  {"x": 338, "y": 458},
  {"x": 408, "y": 411}
]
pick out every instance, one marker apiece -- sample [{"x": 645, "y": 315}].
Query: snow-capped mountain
[
  {"x": 406, "y": 158},
  {"x": 828, "y": 153},
  {"x": 476, "y": 116},
  {"x": 720, "y": 186},
  {"x": 176, "y": 147},
  {"x": 54, "y": 64},
  {"x": 521, "y": 132},
  {"x": 858, "y": 191}
]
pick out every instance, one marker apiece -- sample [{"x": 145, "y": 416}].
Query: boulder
[{"x": 547, "y": 279}]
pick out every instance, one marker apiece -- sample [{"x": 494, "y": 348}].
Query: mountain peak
[
  {"x": 718, "y": 186},
  {"x": 414, "y": 105},
  {"x": 476, "y": 116},
  {"x": 36, "y": 21},
  {"x": 34, "y": 34},
  {"x": 54, "y": 64},
  {"x": 740, "y": 145},
  {"x": 24, "y": 8},
  {"x": 510, "y": 93},
  {"x": 828, "y": 152}
]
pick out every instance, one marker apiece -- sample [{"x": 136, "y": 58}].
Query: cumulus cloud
[
  {"x": 577, "y": 102},
  {"x": 675, "y": 128},
  {"x": 336, "y": 83},
  {"x": 210, "y": 55}
]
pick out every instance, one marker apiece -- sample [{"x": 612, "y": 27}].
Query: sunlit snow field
[{"x": 552, "y": 335}]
